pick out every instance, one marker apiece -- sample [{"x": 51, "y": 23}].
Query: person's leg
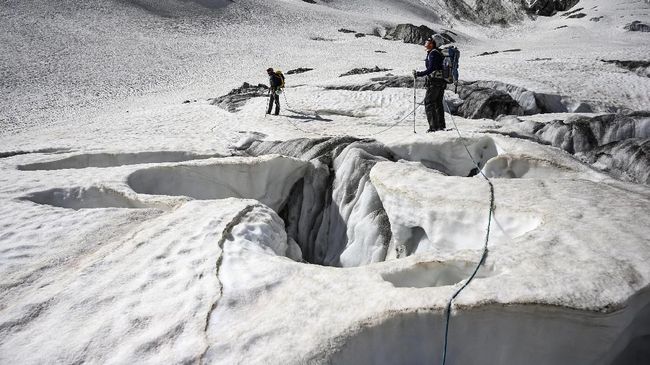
[
  {"x": 440, "y": 108},
  {"x": 268, "y": 111},
  {"x": 429, "y": 105},
  {"x": 435, "y": 107},
  {"x": 277, "y": 104}
]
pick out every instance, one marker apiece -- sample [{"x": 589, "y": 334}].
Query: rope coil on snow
[{"x": 485, "y": 244}]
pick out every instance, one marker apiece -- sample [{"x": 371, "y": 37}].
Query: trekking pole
[{"x": 414, "y": 102}]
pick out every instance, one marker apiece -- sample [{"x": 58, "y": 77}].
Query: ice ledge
[{"x": 543, "y": 255}]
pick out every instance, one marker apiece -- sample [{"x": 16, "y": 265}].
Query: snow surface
[{"x": 135, "y": 228}]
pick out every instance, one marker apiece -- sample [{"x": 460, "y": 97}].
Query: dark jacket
[
  {"x": 275, "y": 81},
  {"x": 433, "y": 62}
]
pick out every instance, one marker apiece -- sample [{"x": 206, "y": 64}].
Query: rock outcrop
[
  {"x": 637, "y": 26},
  {"x": 497, "y": 11},
  {"x": 364, "y": 70},
  {"x": 299, "y": 70},
  {"x": 641, "y": 68},
  {"x": 486, "y": 11},
  {"x": 380, "y": 83},
  {"x": 236, "y": 98},
  {"x": 550, "y": 7},
  {"x": 409, "y": 33}
]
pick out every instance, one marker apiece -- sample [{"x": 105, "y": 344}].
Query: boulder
[
  {"x": 483, "y": 102},
  {"x": 525, "y": 98}
]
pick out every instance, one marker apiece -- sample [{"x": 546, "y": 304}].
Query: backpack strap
[{"x": 437, "y": 74}]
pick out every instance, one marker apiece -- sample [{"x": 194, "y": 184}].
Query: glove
[{"x": 415, "y": 73}]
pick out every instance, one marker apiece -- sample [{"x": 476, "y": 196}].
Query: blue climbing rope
[{"x": 485, "y": 244}]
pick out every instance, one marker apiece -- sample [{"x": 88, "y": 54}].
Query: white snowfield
[{"x": 136, "y": 227}]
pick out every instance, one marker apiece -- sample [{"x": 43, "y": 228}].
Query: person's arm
[{"x": 429, "y": 69}]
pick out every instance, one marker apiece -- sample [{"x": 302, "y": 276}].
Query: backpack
[
  {"x": 281, "y": 76},
  {"x": 450, "y": 64}
]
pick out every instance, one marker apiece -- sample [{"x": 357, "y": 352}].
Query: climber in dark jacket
[
  {"x": 435, "y": 84},
  {"x": 275, "y": 81}
]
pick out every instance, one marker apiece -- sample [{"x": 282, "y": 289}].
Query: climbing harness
[{"x": 485, "y": 244}]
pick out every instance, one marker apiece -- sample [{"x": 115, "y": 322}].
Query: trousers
[
  {"x": 433, "y": 106},
  {"x": 274, "y": 98}
]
